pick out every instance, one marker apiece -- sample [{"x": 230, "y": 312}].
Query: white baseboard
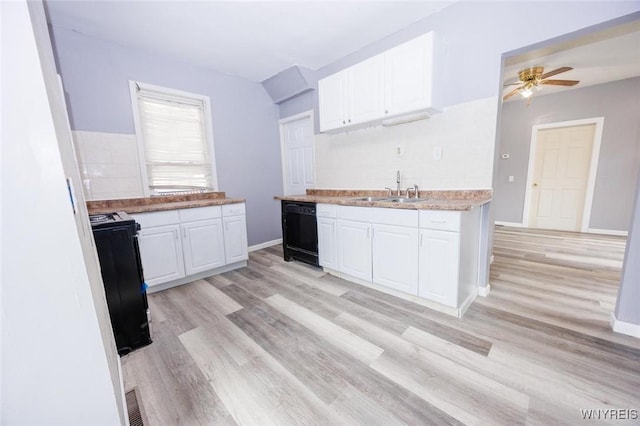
[
  {"x": 512, "y": 224},
  {"x": 265, "y": 244},
  {"x": 607, "y": 232},
  {"x": 484, "y": 291},
  {"x": 622, "y": 327}
]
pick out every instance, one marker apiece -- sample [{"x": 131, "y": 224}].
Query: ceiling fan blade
[
  {"x": 561, "y": 82},
  {"x": 510, "y": 94},
  {"x": 512, "y": 84},
  {"x": 556, "y": 71}
]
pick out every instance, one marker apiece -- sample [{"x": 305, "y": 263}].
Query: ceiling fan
[{"x": 534, "y": 78}]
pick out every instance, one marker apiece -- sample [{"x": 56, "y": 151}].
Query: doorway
[
  {"x": 563, "y": 161},
  {"x": 296, "y": 147}
]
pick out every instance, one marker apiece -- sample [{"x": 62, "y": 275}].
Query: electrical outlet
[
  {"x": 511, "y": 178},
  {"x": 399, "y": 151},
  {"x": 437, "y": 153}
]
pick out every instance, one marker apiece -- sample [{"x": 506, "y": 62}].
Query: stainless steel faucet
[
  {"x": 398, "y": 183},
  {"x": 417, "y": 191}
]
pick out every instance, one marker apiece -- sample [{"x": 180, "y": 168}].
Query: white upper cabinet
[
  {"x": 396, "y": 82},
  {"x": 409, "y": 76},
  {"x": 352, "y": 96},
  {"x": 332, "y": 99},
  {"x": 365, "y": 97}
]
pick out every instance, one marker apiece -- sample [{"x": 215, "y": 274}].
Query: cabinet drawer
[
  {"x": 359, "y": 214},
  {"x": 200, "y": 213},
  {"x": 440, "y": 220},
  {"x": 153, "y": 219},
  {"x": 233, "y": 209},
  {"x": 327, "y": 210},
  {"x": 398, "y": 217}
]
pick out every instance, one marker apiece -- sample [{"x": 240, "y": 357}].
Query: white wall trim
[
  {"x": 265, "y": 244},
  {"x": 622, "y": 327},
  {"x": 283, "y": 160},
  {"x": 593, "y": 166},
  {"x": 608, "y": 232},
  {"x": 484, "y": 291},
  {"x": 512, "y": 224}
]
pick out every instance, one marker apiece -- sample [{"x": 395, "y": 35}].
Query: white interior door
[
  {"x": 560, "y": 176},
  {"x": 297, "y": 155}
]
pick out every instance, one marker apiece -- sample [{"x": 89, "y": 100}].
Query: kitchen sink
[
  {"x": 402, "y": 200},
  {"x": 370, "y": 199}
]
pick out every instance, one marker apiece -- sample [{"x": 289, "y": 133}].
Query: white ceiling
[
  {"x": 596, "y": 59},
  {"x": 250, "y": 39}
]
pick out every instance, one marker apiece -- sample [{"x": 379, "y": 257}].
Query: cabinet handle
[
  {"x": 184, "y": 233},
  {"x": 386, "y": 111},
  {"x": 349, "y": 120},
  {"x": 344, "y": 122},
  {"x": 175, "y": 234}
]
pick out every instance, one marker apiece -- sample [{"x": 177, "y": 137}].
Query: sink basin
[
  {"x": 402, "y": 200},
  {"x": 370, "y": 198},
  {"x": 407, "y": 200}
]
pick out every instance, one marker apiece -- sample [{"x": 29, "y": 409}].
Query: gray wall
[
  {"x": 245, "y": 121},
  {"x": 628, "y": 304},
  {"x": 619, "y": 103}
]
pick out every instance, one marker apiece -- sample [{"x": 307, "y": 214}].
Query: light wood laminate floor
[{"x": 283, "y": 343}]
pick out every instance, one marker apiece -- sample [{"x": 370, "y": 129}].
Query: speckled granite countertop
[
  {"x": 459, "y": 200},
  {"x": 160, "y": 203}
]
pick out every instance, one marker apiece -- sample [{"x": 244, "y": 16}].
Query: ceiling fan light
[{"x": 526, "y": 92}]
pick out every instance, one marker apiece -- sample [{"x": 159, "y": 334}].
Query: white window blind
[{"x": 176, "y": 150}]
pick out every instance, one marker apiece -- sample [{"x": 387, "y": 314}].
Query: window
[{"x": 175, "y": 141}]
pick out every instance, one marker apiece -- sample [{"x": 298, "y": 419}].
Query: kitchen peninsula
[{"x": 425, "y": 249}]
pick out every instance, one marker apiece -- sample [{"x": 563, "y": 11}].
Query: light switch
[
  {"x": 437, "y": 153},
  {"x": 511, "y": 178}
]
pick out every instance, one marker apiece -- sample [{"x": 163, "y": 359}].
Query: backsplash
[
  {"x": 368, "y": 159},
  {"x": 109, "y": 165}
]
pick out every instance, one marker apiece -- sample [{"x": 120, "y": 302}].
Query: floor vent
[{"x": 133, "y": 408}]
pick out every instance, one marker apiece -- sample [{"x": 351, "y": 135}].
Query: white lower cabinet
[
  {"x": 432, "y": 254},
  {"x": 327, "y": 243},
  {"x": 177, "y": 244},
  {"x": 161, "y": 252},
  {"x": 203, "y": 245},
  {"x": 439, "y": 260},
  {"x": 354, "y": 254},
  {"x": 395, "y": 256},
  {"x": 235, "y": 238}
]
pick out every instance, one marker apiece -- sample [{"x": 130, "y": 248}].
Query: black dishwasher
[
  {"x": 299, "y": 232},
  {"x": 116, "y": 240}
]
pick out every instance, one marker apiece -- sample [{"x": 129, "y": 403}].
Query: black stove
[{"x": 115, "y": 236}]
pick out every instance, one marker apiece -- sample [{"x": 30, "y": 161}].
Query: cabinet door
[
  {"x": 161, "y": 253},
  {"x": 365, "y": 91},
  {"x": 439, "y": 261},
  {"x": 327, "y": 243},
  {"x": 235, "y": 238},
  {"x": 332, "y": 101},
  {"x": 395, "y": 258},
  {"x": 203, "y": 245},
  {"x": 354, "y": 257},
  {"x": 409, "y": 75}
]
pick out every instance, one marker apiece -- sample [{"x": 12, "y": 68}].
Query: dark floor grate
[{"x": 133, "y": 408}]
